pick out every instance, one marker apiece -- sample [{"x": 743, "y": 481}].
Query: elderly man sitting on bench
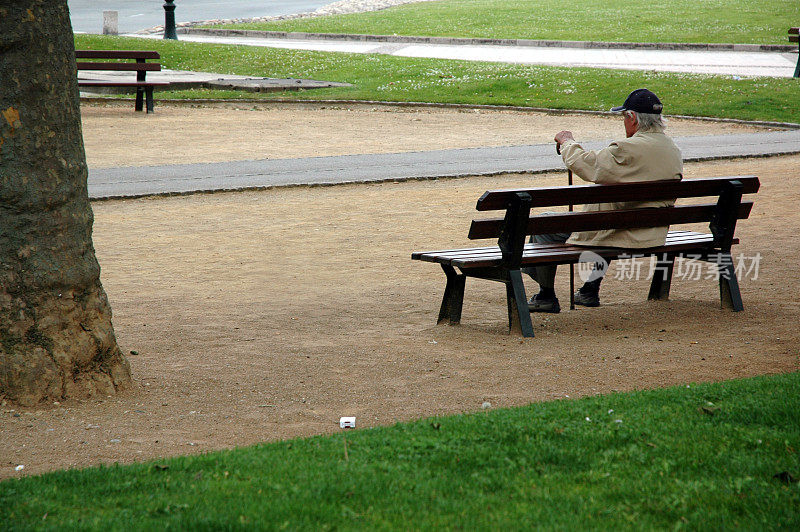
[{"x": 646, "y": 154}]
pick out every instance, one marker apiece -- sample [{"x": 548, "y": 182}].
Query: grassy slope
[
  {"x": 699, "y": 457},
  {"x": 379, "y": 77},
  {"x": 737, "y": 21}
]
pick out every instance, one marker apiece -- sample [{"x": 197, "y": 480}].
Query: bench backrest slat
[
  {"x": 621, "y": 219},
  {"x": 642, "y": 191},
  {"x": 117, "y": 54},
  {"x": 126, "y": 67}
]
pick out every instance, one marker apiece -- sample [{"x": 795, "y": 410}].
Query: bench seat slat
[
  {"x": 571, "y": 255},
  {"x": 673, "y": 237},
  {"x": 418, "y": 254},
  {"x": 562, "y": 253},
  {"x": 559, "y": 253},
  {"x": 646, "y": 190}
]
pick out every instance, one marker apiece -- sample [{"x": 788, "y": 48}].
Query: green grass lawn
[
  {"x": 388, "y": 78},
  {"x": 728, "y": 21},
  {"x": 699, "y": 457}
]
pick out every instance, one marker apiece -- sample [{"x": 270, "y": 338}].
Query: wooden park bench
[
  {"x": 144, "y": 88},
  {"x": 794, "y": 36},
  {"x": 503, "y": 262}
]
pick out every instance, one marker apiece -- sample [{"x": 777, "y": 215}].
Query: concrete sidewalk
[
  {"x": 239, "y": 175},
  {"x": 732, "y": 60}
]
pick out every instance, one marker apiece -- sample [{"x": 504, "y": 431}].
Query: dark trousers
[{"x": 545, "y": 276}]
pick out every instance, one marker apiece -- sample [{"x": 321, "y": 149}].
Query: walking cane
[{"x": 571, "y": 266}]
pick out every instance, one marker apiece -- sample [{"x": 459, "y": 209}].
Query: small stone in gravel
[{"x": 486, "y": 404}]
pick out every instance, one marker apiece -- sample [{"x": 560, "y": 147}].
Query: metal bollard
[{"x": 169, "y": 20}]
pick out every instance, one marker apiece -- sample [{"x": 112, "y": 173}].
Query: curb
[
  {"x": 728, "y": 47},
  {"x": 429, "y": 105}
]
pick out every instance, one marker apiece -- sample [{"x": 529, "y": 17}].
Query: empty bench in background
[
  {"x": 127, "y": 61},
  {"x": 794, "y": 36},
  {"x": 503, "y": 262}
]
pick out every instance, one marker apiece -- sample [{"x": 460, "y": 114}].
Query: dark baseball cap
[{"x": 641, "y": 101}]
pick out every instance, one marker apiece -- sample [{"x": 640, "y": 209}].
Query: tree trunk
[{"x": 56, "y": 337}]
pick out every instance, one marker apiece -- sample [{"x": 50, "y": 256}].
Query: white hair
[{"x": 654, "y": 123}]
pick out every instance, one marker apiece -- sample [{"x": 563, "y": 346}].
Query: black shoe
[
  {"x": 540, "y": 304},
  {"x": 587, "y": 300}
]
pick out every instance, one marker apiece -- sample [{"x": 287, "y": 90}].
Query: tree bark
[{"x": 56, "y": 336}]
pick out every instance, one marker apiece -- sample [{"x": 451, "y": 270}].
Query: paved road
[
  {"x": 136, "y": 15},
  {"x": 142, "y": 181},
  {"x": 734, "y": 63}
]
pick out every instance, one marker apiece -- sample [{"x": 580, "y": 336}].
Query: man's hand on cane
[{"x": 562, "y": 137}]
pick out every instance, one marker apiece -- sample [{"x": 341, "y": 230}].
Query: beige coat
[{"x": 642, "y": 157}]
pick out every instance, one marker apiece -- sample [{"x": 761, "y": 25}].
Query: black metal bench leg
[
  {"x": 139, "y": 98},
  {"x": 797, "y": 68},
  {"x": 519, "y": 318},
  {"x": 149, "y": 92},
  {"x": 729, "y": 294},
  {"x": 453, "y": 299},
  {"x": 662, "y": 278}
]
